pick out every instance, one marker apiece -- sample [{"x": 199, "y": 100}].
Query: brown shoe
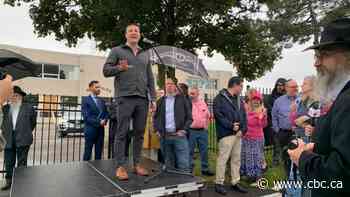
[
  {"x": 141, "y": 171},
  {"x": 122, "y": 174},
  {"x": 7, "y": 186}
]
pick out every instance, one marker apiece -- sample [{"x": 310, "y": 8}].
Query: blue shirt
[
  {"x": 170, "y": 114},
  {"x": 94, "y": 97},
  {"x": 280, "y": 113}
]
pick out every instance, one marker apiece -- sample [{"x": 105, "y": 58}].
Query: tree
[
  {"x": 225, "y": 26},
  {"x": 300, "y": 20}
]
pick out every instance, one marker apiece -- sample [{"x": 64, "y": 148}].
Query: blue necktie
[{"x": 97, "y": 102}]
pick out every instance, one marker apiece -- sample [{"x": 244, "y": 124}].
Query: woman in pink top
[{"x": 252, "y": 151}]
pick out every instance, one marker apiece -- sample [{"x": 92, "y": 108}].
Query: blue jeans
[
  {"x": 176, "y": 152},
  {"x": 199, "y": 137}
]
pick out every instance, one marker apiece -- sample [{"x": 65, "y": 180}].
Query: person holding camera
[
  {"x": 231, "y": 124},
  {"x": 301, "y": 112},
  {"x": 328, "y": 158}
]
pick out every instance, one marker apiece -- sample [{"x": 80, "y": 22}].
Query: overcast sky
[{"x": 17, "y": 29}]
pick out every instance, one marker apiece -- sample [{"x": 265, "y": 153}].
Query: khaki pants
[{"x": 229, "y": 146}]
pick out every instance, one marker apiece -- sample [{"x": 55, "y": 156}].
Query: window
[
  {"x": 69, "y": 102},
  {"x": 50, "y": 71},
  {"x": 69, "y": 72},
  {"x": 69, "y": 99},
  {"x": 58, "y": 71},
  {"x": 203, "y": 84}
]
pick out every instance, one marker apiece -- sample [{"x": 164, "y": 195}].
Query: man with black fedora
[
  {"x": 19, "y": 122},
  {"x": 324, "y": 165}
]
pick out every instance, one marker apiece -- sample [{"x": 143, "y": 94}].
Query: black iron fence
[{"x": 58, "y": 136}]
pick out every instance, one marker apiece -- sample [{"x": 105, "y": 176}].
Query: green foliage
[
  {"x": 249, "y": 33},
  {"x": 298, "y": 20},
  {"x": 202, "y": 24},
  {"x": 274, "y": 173}
]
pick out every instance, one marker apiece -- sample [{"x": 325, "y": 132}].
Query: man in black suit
[
  {"x": 18, "y": 124},
  {"x": 325, "y": 164},
  {"x": 95, "y": 117}
]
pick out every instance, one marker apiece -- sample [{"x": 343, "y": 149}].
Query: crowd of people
[{"x": 314, "y": 120}]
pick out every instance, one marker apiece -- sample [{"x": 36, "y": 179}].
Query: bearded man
[{"x": 325, "y": 164}]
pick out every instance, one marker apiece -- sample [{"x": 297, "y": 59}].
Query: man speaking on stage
[
  {"x": 134, "y": 88},
  {"x": 325, "y": 164}
]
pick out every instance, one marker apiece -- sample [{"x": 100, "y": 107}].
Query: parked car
[{"x": 70, "y": 123}]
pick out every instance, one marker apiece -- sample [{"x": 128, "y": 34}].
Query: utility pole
[{"x": 314, "y": 22}]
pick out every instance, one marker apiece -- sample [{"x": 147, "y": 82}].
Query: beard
[{"x": 329, "y": 83}]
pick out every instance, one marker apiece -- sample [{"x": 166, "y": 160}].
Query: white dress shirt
[{"x": 14, "y": 112}]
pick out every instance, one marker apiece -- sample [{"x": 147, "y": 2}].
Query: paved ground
[
  {"x": 209, "y": 192},
  {"x": 4, "y": 193}
]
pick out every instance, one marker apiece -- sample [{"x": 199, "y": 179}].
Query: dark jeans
[
  {"x": 284, "y": 137},
  {"x": 113, "y": 128},
  {"x": 135, "y": 108},
  {"x": 268, "y": 135},
  {"x": 92, "y": 139},
  {"x": 160, "y": 156},
  {"x": 176, "y": 152},
  {"x": 113, "y": 123},
  {"x": 200, "y": 138},
  {"x": 10, "y": 159},
  {"x": 276, "y": 154}
]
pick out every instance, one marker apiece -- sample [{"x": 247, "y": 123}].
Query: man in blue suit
[{"x": 95, "y": 119}]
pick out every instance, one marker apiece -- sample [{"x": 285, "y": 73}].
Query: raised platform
[{"x": 96, "y": 179}]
